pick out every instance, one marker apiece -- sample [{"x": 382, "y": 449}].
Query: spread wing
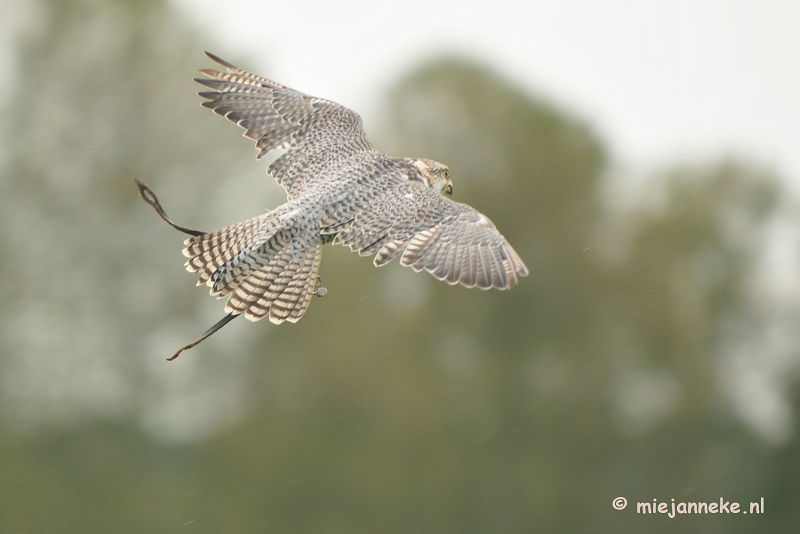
[
  {"x": 430, "y": 232},
  {"x": 316, "y": 132}
]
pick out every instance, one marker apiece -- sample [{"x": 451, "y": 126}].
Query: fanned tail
[{"x": 264, "y": 271}]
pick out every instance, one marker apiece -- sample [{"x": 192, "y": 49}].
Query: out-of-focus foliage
[
  {"x": 398, "y": 404},
  {"x": 91, "y": 282}
]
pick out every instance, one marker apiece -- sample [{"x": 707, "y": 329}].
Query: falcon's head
[{"x": 436, "y": 175}]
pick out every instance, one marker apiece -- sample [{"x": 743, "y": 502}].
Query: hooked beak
[{"x": 448, "y": 190}]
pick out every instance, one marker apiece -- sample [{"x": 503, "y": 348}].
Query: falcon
[{"x": 339, "y": 189}]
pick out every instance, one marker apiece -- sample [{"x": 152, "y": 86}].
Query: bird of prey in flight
[{"x": 339, "y": 189}]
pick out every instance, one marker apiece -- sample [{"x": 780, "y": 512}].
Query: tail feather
[
  {"x": 248, "y": 291},
  {"x": 221, "y": 256},
  {"x": 257, "y": 306},
  {"x": 293, "y": 301},
  {"x": 251, "y": 259},
  {"x": 262, "y": 269},
  {"x": 308, "y": 280},
  {"x": 282, "y": 292},
  {"x": 291, "y": 286}
]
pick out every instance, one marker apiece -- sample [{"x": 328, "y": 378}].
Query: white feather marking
[{"x": 289, "y": 216}]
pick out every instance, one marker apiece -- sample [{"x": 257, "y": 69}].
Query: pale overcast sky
[{"x": 661, "y": 80}]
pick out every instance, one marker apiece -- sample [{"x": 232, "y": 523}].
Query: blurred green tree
[{"x": 92, "y": 281}]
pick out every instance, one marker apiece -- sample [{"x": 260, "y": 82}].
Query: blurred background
[{"x": 641, "y": 157}]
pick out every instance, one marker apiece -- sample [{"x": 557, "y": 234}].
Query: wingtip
[{"x": 219, "y": 60}]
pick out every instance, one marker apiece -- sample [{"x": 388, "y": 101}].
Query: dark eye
[{"x": 446, "y": 173}]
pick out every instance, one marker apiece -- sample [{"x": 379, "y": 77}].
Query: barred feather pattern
[
  {"x": 339, "y": 189},
  {"x": 264, "y": 270},
  {"x": 216, "y": 255},
  {"x": 282, "y": 288},
  {"x": 466, "y": 250},
  {"x": 316, "y": 132},
  {"x": 450, "y": 240}
]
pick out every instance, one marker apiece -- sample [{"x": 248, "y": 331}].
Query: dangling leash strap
[
  {"x": 225, "y": 320},
  {"x": 152, "y": 199}
]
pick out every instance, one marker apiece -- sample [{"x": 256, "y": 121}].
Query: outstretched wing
[
  {"x": 430, "y": 232},
  {"x": 316, "y": 132}
]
